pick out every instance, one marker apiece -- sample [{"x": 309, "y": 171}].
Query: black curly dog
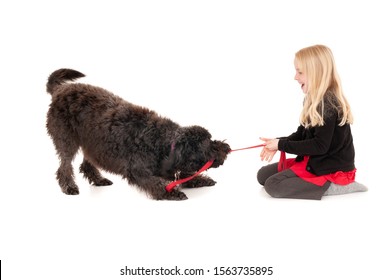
[{"x": 148, "y": 150}]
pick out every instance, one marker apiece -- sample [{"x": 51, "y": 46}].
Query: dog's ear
[
  {"x": 191, "y": 140},
  {"x": 193, "y": 135},
  {"x": 188, "y": 152},
  {"x": 169, "y": 164},
  {"x": 179, "y": 157}
]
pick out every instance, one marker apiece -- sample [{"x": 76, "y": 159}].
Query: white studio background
[{"x": 225, "y": 65}]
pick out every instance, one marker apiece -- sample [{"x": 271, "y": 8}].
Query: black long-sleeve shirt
[{"x": 330, "y": 147}]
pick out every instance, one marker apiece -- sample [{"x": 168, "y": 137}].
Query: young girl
[{"x": 323, "y": 142}]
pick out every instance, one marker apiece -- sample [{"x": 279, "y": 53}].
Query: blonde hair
[{"x": 317, "y": 63}]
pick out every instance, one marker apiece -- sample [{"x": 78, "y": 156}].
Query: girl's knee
[
  {"x": 265, "y": 172},
  {"x": 261, "y": 178},
  {"x": 272, "y": 189}
]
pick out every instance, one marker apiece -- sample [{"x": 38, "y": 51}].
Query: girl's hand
[
  {"x": 267, "y": 155},
  {"x": 270, "y": 144},
  {"x": 270, "y": 149}
]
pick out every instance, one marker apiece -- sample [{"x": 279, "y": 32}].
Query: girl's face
[{"x": 300, "y": 77}]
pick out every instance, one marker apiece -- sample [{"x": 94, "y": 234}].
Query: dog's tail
[{"x": 61, "y": 76}]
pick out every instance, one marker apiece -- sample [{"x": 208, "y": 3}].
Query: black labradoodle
[{"x": 122, "y": 138}]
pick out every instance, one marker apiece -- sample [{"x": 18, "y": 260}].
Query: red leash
[
  {"x": 251, "y": 147},
  {"x": 282, "y": 159},
  {"x": 173, "y": 184}
]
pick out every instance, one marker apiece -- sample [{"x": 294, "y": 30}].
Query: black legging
[{"x": 286, "y": 184}]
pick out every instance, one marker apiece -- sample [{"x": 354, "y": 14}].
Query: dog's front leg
[
  {"x": 155, "y": 187},
  {"x": 198, "y": 181}
]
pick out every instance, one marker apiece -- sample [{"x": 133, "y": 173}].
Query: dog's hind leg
[
  {"x": 92, "y": 174},
  {"x": 65, "y": 177},
  {"x": 66, "y": 144}
]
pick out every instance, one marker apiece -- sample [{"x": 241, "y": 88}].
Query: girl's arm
[
  {"x": 295, "y": 136},
  {"x": 318, "y": 144}
]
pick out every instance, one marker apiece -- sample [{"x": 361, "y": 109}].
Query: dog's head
[{"x": 193, "y": 148}]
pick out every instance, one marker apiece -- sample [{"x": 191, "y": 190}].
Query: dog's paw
[
  {"x": 198, "y": 182},
  {"x": 174, "y": 195},
  {"x": 103, "y": 182},
  {"x": 209, "y": 182},
  {"x": 70, "y": 190},
  {"x": 177, "y": 195}
]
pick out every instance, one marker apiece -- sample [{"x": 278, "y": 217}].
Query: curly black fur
[{"x": 122, "y": 138}]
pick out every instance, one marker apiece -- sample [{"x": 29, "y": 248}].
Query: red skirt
[{"x": 299, "y": 168}]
